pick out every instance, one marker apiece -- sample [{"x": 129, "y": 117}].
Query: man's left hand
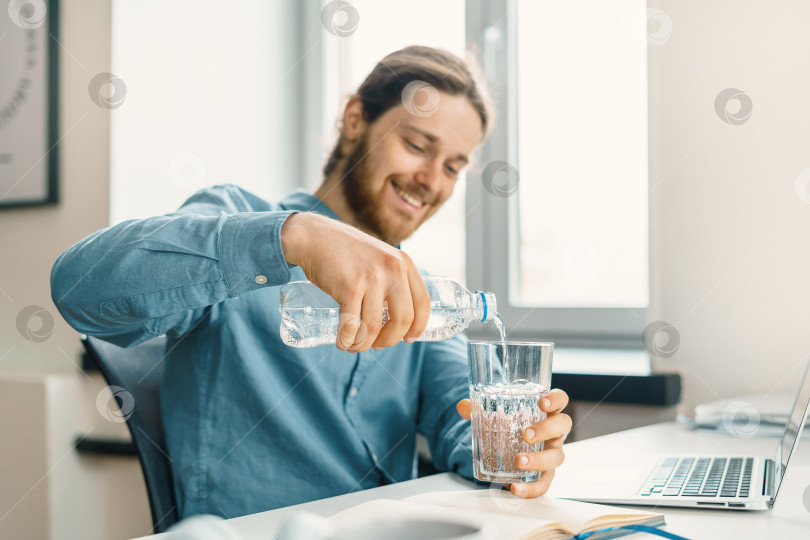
[{"x": 552, "y": 431}]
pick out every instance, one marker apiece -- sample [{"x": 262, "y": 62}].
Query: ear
[{"x": 353, "y": 124}]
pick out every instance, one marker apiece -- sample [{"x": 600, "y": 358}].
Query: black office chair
[{"x": 139, "y": 370}]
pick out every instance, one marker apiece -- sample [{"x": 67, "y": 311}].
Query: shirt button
[
  {"x": 260, "y": 279},
  {"x": 374, "y": 458},
  {"x": 353, "y": 391}
]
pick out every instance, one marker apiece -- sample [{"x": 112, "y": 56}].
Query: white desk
[{"x": 789, "y": 519}]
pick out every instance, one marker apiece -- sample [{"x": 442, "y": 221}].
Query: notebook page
[
  {"x": 574, "y": 514},
  {"x": 506, "y": 527}
]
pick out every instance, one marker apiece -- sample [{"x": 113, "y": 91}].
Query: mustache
[{"x": 414, "y": 190}]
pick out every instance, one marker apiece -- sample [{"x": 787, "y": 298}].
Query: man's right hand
[{"x": 363, "y": 274}]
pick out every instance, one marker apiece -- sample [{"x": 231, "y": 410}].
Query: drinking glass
[{"x": 507, "y": 381}]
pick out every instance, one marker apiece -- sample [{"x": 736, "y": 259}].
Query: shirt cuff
[{"x": 250, "y": 252}]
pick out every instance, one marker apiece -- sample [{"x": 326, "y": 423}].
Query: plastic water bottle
[{"x": 309, "y": 316}]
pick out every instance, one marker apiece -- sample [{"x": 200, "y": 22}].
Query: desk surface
[{"x": 789, "y": 519}]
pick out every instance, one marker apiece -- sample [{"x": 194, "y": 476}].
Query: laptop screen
[{"x": 794, "y": 425}]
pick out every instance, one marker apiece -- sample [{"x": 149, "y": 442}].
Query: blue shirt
[{"x": 252, "y": 424}]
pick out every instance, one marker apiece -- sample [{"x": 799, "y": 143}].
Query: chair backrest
[{"x": 139, "y": 370}]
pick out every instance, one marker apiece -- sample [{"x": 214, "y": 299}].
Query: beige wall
[
  {"x": 24, "y": 459},
  {"x": 730, "y": 251},
  {"x": 49, "y": 491},
  {"x": 32, "y": 238}
]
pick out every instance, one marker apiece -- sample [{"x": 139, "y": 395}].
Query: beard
[{"x": 366, "y": 204}]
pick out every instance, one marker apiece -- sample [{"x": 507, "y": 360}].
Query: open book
[{"x": 505, "y": 516}]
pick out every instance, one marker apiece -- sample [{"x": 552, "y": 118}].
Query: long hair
[{"x": 382, "y": 88}]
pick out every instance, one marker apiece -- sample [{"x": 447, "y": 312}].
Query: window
[
  {"x": 562, "y": 203},
  {"x": 582, "y": 156}
]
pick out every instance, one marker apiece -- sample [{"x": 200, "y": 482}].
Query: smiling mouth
[{"x": 408, "y": 198}]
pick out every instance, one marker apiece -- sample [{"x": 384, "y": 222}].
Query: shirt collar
[{"x": 306, "y": 202}]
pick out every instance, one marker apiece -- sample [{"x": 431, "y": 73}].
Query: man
[{"x": 252, "y": 424}]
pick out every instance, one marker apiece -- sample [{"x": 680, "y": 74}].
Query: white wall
[
  {"x": 730, "y": 251},
  {"x": 213, "y": 95}
]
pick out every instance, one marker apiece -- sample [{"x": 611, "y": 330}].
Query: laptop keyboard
[{"x": 701, "y": 477}]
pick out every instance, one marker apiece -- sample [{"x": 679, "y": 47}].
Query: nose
[{"x": 430, "y": 175}]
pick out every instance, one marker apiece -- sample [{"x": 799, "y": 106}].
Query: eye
[
  {"x": 451, "y": 170},
  {"x": 415, "y": 147}
]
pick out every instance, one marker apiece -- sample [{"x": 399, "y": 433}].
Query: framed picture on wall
[{"x": 29, "y": 154}]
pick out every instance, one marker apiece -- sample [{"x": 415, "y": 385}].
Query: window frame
[{"x": 493, "y": 226}]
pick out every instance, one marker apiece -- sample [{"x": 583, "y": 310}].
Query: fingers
[
  {"x": 400, "y": 287},
  {"x": 400, "y": 315},
  {"x": 421, "y": 303},
  {"x": 555, "y": 401},
  {"x": 371, "y": 313},
  {"x": 376, "y": 273},
  {"x": 557, "y": 442},
  {"x": 552, "y": 431},
  {"x": 544, "y": 460},
  {"x": 555, "y": 425},
  {"x": 463, "y": 408},
  {"x": 534, "y": 489},
  {"x": 349, "y": 325}
]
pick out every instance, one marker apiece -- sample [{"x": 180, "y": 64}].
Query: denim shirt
[{"x": 252, "y": 424}]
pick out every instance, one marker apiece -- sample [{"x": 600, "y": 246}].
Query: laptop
[{"x": 728, "y": 482}]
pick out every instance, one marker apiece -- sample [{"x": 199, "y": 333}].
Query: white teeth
[{"x": 408, "y": 199}]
